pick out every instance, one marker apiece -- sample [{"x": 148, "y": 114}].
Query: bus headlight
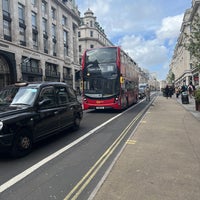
[{"x": 1, "y": 125}]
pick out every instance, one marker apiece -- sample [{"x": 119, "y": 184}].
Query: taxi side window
[
  {"x": 62, "y": 95},
  {"x": 72, "y": 95},
  {"x": 47, "y": 94}
]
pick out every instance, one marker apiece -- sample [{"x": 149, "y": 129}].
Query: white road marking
[{"x": 31, "y": 169}]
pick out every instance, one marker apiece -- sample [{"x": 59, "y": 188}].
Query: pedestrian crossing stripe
[
  {"x": 143, "y": 122},
  {"x": 130, "y": 142}
]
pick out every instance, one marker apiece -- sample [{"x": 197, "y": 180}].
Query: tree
[
  {"x": 193, "y": 41},
  {"x": 170, "y": 76}
]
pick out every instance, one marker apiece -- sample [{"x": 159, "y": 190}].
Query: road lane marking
[
  {"x": 82, "y": 184},
  {"x": 130, "y": 142},
  {"x": 100, "y": 183},
  {"x": 33, "y": 168}
]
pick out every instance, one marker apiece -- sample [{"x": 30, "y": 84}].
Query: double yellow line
[{"x": 82, "y": 184}]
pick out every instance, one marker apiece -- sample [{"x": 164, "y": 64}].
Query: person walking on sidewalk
[
  {"x": 167, "y": 91},
  {"x": 171, "y": 91},
  {"x": 191, "y": 89},
  {"x": 177, "y": 91},
  {"x": 147, "y": 92},
  {"x": 183, "y": 88}
]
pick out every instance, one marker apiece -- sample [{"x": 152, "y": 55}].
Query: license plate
[{"x": 99, "y": 108}]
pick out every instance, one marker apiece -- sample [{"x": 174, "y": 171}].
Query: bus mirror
[{"x": 121, "y": 79}]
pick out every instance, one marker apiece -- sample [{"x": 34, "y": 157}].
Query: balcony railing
[
  {"x": 31, "y": 70},
  {"x": 23, "y": 43},
  {"x": 6, "y": 15},
  {"x": 50, "y": 73},
  {"x": 67, "y": 76}
]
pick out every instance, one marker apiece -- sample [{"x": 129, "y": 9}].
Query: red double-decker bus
[{"x": 109, "y": 79}]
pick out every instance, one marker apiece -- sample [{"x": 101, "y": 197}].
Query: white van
[{"x": 142, "y": 87}]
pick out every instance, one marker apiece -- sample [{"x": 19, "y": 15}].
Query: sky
[{"x": 146, "y": 29}]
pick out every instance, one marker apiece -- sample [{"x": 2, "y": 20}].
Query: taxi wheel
[
  {"x": 77, "y": 122},
  {"x": 22, "y": 144}
]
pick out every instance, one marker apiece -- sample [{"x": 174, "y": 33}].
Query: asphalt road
[{"x": 70, "y": 165}]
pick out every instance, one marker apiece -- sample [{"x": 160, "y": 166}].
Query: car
[
  {"x": 30, "y": 112},
  {"x": 142, "y": 87}
]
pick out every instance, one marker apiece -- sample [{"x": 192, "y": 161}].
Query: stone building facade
[
  {"x": 181, "y": 64},
  {"x": 38, "y": 41}
]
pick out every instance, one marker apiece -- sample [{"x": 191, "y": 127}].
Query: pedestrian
[
  {"x": 170, "y": 91},
  {"x": 190, "y": 90},
  {"x": 183, "y": 88},
  {"x": 167, "y": 91},
  {"x": 177, "y": 91},
  {"x": 147, "y": 93}
]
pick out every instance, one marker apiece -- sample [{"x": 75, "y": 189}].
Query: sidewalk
[
  {"x": 161, "y": 161},
  {"x": 190, "y": 107}
]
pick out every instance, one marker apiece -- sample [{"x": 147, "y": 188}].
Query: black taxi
[{"x": 30, "y": 112}]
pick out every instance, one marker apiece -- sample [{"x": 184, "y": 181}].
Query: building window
[
  {"x": 45, "y": 41},
  {"x": 34, "y": 20},
  {"x": 52, "y": 70},
  {"x": 6, "y": 10},
  {"x": 54, "y": 49},
  {"x": 67, "y": 73},
  {"x": 91, "y": 33},
  {"x": 35, "y": 40},
  {"x": 22, "y": 35},
  {"x": 44, "y": 26},
  {"x": 64, "y": 20},
  {"x": 21, "y": 11},
  {"x": 64, "y": 1},
  {"x": 91, "y": 23},
  {"x": 79, "y": 48},
  {"x": 5, "y": 5},
  {"x": 91, "y": 46},
  {"x": 33, "y": 2},
  {"x": 44, "y": 7},
  {"x": 7, "y": 30},
  {"x": 65, "y": 42},
  {"x": 65, "y": 37},
  {"x": 53, "y": 13},
  {"x": 79, "y": 34},
  {"x": 53, "y": 31},
  {"x": 74, "y": 28}
]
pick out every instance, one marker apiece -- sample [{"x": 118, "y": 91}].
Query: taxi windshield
[
  {"x": 17, "y": 96},
  {"x": 24, "y": 96}
]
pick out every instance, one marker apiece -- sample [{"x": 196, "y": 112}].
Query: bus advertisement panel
[{"x": 109, "y": 79}]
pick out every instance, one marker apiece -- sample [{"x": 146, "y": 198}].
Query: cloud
[
  {"x": 170, "y": 28},
  {"x": 146, "y": 53},
  {"x": 153, "y": 52}
]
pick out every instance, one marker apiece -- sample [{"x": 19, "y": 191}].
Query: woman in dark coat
[{"x": 167, "y": 91}]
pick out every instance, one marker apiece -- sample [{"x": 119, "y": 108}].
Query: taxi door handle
[{"x": 56, "y": 112}]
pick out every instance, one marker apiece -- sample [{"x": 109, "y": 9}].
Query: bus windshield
[
  {"x": 101, "y": 87},
  {"x": 101, "y": 55},
  {"x": 100, "y": 73}
]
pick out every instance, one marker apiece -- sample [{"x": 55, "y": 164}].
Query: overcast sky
[{"x": 146, "y": 29}]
